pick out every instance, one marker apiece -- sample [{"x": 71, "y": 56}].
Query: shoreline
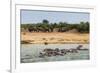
[{"x": 57, "y": 43}]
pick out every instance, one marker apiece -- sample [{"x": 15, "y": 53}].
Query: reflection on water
[{"x": 30, "y": 53}]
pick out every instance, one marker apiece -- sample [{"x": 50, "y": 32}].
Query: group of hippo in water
[{"x": 61, "y": 52}]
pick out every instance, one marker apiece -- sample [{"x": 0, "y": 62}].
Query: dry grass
[{"x": 55, "y": 37}]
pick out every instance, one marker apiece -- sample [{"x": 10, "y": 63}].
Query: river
[{"x": 30, "y": 53}]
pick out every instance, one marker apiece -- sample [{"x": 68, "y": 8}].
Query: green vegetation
[{"x": 45, "y": 26}]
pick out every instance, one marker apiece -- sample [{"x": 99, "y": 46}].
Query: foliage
[{"x": 45, "y": 26}]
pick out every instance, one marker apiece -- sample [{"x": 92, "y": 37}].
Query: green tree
[{"x": 45, "y": 21}]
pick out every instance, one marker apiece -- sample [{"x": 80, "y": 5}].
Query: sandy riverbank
[{"x": 54, "y": 38}]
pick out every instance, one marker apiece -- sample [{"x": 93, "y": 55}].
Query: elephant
[
  {"x": 72, "y": 50},
  {"x": 42, "y": 54},
  {"x": 63, "y": 51},
  {"x": 57, "y": 49},
  {"x": 79, "y": 47}
]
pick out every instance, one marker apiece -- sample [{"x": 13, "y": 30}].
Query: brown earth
[{"x": 54, "y": 38}]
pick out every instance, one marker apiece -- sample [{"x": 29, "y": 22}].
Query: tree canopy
[{"x": 45, "y": 26}]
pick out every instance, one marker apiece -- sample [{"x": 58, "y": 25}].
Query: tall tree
[{"x": 45, "y": 21}]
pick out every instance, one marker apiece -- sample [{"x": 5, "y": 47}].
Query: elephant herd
[
  {"x": 59, "y": 52},
  {"x": 39, "y": 29}
]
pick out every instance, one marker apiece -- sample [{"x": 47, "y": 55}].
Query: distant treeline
[{"x": 45, "y": 26}]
